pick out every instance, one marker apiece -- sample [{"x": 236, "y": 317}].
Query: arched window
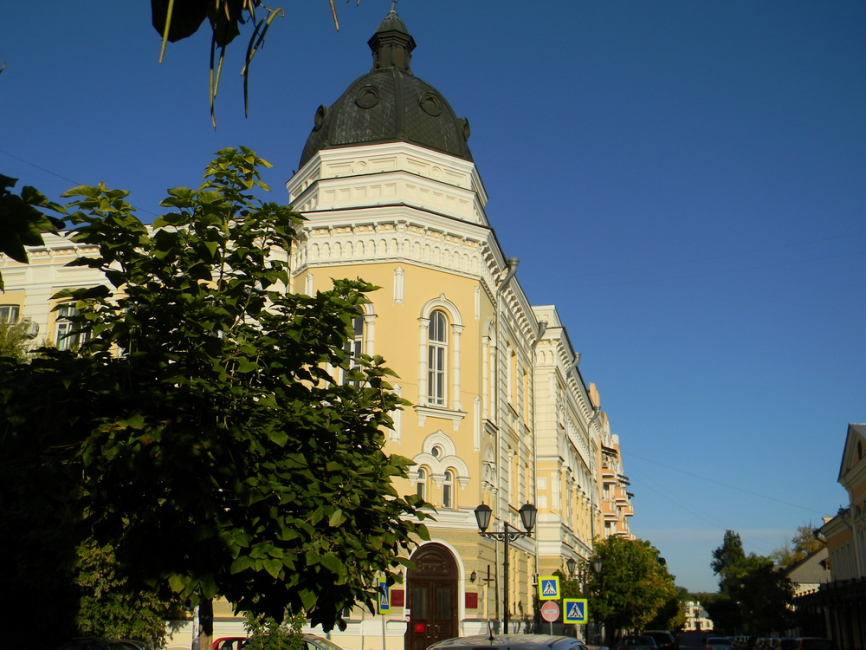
[
  {"x": 448, "y": 489},
  {"x": 421, "y": 485},
  {"x": 437, "y": 358}
]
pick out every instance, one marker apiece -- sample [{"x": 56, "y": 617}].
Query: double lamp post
[{"x": 508, "y": 534}]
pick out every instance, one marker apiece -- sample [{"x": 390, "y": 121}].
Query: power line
[
  {"x": 69, "y": 180},
  {"x": 47, "y": 171},
  {"x": 731, "y": 487}
]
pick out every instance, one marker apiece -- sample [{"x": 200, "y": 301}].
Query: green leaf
[
  {"x": 241, "y": 564},
  {"x": 337, "y": 518},
  {"x": 273, "y": 567},
  {"x": 177, "y": 583}
]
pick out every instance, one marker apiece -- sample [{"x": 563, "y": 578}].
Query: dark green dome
[{"x": 390, "y": 104}]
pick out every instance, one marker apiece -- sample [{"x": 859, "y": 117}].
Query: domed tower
[
  {"x": 391, "y": 194},
  {"x": 380, "y": 118},
  {"x": 389, "y": 104}
]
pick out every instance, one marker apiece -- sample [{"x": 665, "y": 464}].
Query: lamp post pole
[
  {"x": 507, "y": 535},
  {"x": 597, "y": 566}
]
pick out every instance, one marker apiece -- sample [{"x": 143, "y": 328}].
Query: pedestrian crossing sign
[
  {"x": 384, "y": 598},
  {"x": 574, "y": 610},
  {"x": 548, "y": 588}
]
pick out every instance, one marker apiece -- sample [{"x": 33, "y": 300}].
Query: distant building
[
  {"x": 810, "y": 573},
  {"x": 697, "y": 619}
]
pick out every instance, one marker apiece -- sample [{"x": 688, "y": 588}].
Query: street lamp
[
  {"x": 597, "y": 566},
  {"x": 527, "y": 517},
  {"x": 571, "y": 565}
]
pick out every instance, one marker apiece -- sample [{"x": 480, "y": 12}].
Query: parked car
[
  {"x": 813, "y": 643},
  {"x": 510, "y": 642},
  {"x": 664, "y": 639},
  {"x": 719, "y": 643},
  {"x": 314, "y": 642},
  {"x": 229, "y": 643},
  {"x": 637, "y": 642}
]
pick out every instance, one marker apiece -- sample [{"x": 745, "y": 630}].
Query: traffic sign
[
  {"x": 548, "y": 588},
  {"x": 575, "y": 610},
  {"x": 384, "y": 598},
  {"x": 550, "y": 611}
]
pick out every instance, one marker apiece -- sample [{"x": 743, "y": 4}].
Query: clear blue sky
[{"x": 684, "y": 179}]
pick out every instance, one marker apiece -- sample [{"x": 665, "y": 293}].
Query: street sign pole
[{"x": 550, "y": 612}]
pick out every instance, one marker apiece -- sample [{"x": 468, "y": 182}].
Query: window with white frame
[
  {"x": 67, "y": 338},
  {"x": 354, "y": 346},
  {"x": 9, "y": 313},
  {"x": 511, "y": 362},
  {"x": 421, "y": 485},
  {"x": 448, "y": 489},
  {"x": 437, "y": 358}
]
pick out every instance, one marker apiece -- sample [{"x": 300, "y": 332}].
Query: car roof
[{"x": 510, "y": 641}]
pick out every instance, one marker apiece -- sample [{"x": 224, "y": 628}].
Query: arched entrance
[{"x": 431, "y": 597}]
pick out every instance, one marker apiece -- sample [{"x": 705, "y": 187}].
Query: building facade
[
  {"x": 838, "y": 608},
  {"x": 500, "y": 414}
]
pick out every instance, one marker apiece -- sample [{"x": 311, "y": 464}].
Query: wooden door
[{"x": 431, "y": 597}]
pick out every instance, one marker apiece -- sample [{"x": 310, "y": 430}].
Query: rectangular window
[
  {"x": 354, "y": 346},
  {"x": 67, "y": 338},
  {"x": 436, "y": 374},
  {"x": 9, "y": 313}
]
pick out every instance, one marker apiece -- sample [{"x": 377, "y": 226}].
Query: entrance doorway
[{"x": 431, "y": 597}]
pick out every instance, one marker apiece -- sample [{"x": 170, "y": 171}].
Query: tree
[
  {"x": 802, "y": 545},
  {"x": 14, "y": 341},
  {"x": 754, "y": 596},
  {"x": 724, "y": 612},
  {"x": 109, "y": 608},
  {"x": 632, "y": 587},
  {"x": 267, "y": 634},
  {"x": 200, "y": 431},
  {"x": 764, "y": 596},
  {"x": 728, "y": 559},
  {"x": 22, "y": 222},
  {"x": 671, "y": 615},
  {"x": 226, "y": 18}
]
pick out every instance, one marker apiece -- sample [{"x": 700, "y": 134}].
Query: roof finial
[{"x": 391, "y": 44}]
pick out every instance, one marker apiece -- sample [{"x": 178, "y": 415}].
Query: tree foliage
[
  {"x": 14, "y": 341},
  {"x": 728, "y": 558},
  {"x": 802, "y": 545},
  {"x": 265, "y": 633},
  {"x": 175, "y": 20},
  {"x": 764, "y": 595},
  {"x": 108, "y": 607},
  {"x": 755, "y": 596},
  {"x": 724, "y": 612},
  {"x": 671, "y": 615},
  {"x": 22, "y": 221},
  {"x": 633, "y": 585},
  {"x": 199, "y": 428}
]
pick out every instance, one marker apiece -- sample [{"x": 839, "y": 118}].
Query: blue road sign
[
  {"x": 548, "y": 588},
  {"x": 384, "y": 598},
  {"x": 575, "y": 610}
]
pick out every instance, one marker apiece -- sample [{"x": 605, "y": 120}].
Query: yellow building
[{"x": 500, "y": 413}]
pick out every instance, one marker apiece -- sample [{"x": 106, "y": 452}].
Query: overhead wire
[{"x": 69, "y": 180}]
